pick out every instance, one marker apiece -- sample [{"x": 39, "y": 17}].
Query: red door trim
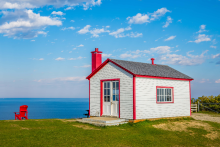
[
  {"x": 134, "y": 98},
  {"x": 101, "y": 95},
  {"x": 172, "y": 94},
  {"x": 190, "y": 97},
  {"x": 89, "y": 97}
]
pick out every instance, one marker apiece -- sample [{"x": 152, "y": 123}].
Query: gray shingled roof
[{"x": 150, "y": 70}]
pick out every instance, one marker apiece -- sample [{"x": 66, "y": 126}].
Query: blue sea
[{"x": 45, "y": 108}]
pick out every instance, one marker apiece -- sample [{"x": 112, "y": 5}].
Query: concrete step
[
  {"x": 102, "y": 124},
  {"x": 104, "y": 120}
]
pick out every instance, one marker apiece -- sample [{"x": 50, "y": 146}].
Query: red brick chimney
[
  {"x": 152, "y": 60},
  {"x": 96, "y": 59}
]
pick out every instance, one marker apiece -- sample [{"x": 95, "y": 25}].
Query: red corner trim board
[{"x": 134, "y": 98}]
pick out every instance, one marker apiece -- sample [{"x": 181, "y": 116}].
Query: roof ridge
[{"x": 138, "y": 62}]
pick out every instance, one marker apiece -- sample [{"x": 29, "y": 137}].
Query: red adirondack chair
[{"x": 23, "y": 113}]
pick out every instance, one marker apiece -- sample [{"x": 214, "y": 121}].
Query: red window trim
[
  {"x": 172, "y": 94},
  {"x": 101, "y": 94}
]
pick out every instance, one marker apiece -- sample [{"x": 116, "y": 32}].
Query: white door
[
  {"x": 107, "y": 98},
  {"x": 115, "y": 98},
  {"x": 111, "y": 98}
]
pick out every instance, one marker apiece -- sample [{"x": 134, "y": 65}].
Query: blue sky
[{"x": 45, "y": 45}]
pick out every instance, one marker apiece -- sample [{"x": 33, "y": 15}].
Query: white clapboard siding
[
  {"x": 111, "y": 71},
  {"x": 146, "y": 106}
]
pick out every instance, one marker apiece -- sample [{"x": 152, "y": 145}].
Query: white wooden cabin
[{"x": 134, "y": 90}]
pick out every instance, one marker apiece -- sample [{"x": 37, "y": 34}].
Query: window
[{"x": 164, "y": 94}]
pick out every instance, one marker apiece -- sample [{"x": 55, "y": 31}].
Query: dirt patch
[
  {"x": 69, "y": 120},
  {"x": 85, "y": 127},
  {"x": 184, "y": 125},
  {"x": 205, "y": 117},
  {"x": 181, "y": 117},
  {"x": 14, "y": 120},
  {"x": 17, "y": 126}
]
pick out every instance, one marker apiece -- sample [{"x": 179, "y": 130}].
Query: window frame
[{"x": 172, "y": 94}]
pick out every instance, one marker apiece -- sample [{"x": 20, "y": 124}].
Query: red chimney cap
[
  {"x": 152, "y": 59},
  {"x": 96, "y": 51}
]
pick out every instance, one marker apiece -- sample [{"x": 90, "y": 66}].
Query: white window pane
[
  {"x": 114, "y": 97},
  {"x": 162, "y": 99},
  {"x": 117, "y": 85},
  {"x": 117, "y": 97},
  {"x": 169, "y": 91}
]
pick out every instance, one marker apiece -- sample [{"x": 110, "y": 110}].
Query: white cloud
[
  {"x": 69, "y": 28},
  {"x": 95, "y": 32},
  {"x": 217, "y": 81},
  {"x": 180, "y": 20},
  {"x": 61, "y": 79},
  {"x": 158, "y": 39},
  {"x": 26, "y": 24},
  {"x": 60, "y": 59},
  {"x": 70, "y": 51},
  {"x": 212, "y": 46},
  {"x": 170, "y": 38},
  {"x": 107, "y": 26},
  {"x": 161, "y": 49},
  {"x": 147, "y": 18},
  {"x": 201, "y": 38},
  {"x": 21, "y": 4},
  {"x": 84, "y": 30},
  {"x": 74, "y": 48},
  {"x": 81, "y": 45},
  {"x": 138, "y": 19},
  {"x": 32, "y": 40},
  {"x": 72, "y": 20},
  {"x": 78, "y": 58},
  {"x": 61, "y": 51},
  {"x": 119, "y": 33},
  {"x": 169, "y": 20},
  {"x": 184, "y": 60},
  {"x": 202, "y": 29},
  {"x": 204, "y": 81},
  {"x": 91, "y": 3},
  {"x": 125, "y": 55},
  {"x": 58, "y": 13},
  {"x": 216, "y": 56},
  {"x": 41, "y": 59},
  {"x": 69, "y": 8},
  {"x": 86, "y": 66},
  {"x": 106, "y": 55},
  {"x": 8, "y": 5}
]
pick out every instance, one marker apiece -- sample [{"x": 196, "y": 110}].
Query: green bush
[{"x": 209, "y": 100}]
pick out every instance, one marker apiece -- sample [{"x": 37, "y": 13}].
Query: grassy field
[{"x": 165, "y": 132}]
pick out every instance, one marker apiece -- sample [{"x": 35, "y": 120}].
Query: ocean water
[{"x": 44, "y": 108}]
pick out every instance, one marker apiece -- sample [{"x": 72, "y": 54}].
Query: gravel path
[{"x": 206, "y": 117}]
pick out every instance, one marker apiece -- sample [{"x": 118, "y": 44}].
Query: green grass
[{"x": 51, "y": 132}]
